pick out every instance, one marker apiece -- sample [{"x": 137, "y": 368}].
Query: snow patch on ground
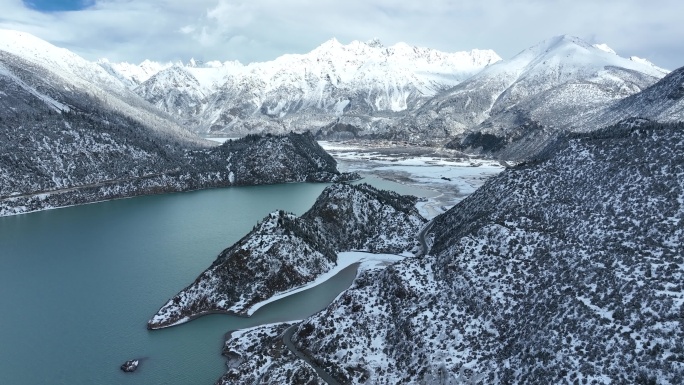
[
  {"x": 441, "y": 177},
  {"x": 365, "y": 260},
  {"x": 220, "y": 140}
]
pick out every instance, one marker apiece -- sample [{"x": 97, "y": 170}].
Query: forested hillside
[{"x": 566, "y": 269}]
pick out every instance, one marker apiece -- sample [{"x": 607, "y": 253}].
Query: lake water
[{"x": 78, "y": 284}]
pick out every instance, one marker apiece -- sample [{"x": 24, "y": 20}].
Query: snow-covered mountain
[
  {"x": 71, "y": 133},
  {"x": 133, "y": 74},
  {"x": 366, "y": 89},
  {"x": 303, "y": 92},
  {"x": 68, "y": 82},
  {"x": 549, "y": 86},
  {"x": 566, "y": 270},
  {"x": 662, "y": 102}
]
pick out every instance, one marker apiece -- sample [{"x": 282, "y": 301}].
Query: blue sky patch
[{"x": 58, "y": 5}]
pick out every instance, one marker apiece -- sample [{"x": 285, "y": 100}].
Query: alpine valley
[
  {"x": 70, "y": 133},
  {"x": 566, "y": 267}
]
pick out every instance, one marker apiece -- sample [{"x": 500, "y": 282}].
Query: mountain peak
[
  {"x": 330, "y": 43},
  {"x": 560, "y": 41},
  {"x": 193, "y": 63},
  {"x": 375, "y": 43},
  {"x": 553, "y": 46},
  {"x": 573, "y": 52},
  {"x": 31, "y": 47},
  {"x": 8, "y": 34},
  {"x": 329, "y": 46}
]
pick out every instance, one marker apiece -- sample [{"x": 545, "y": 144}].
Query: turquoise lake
[{"x": 78, "y": 284}]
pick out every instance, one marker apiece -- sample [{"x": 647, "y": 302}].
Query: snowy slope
[
  {"x": 61, "y": 74},
  {"x": 74, "y": 69},
  {"x": 662, "y": 102},
  {"x": 300, "y": 92},
  {"x": 550, "y": 84},
  {"x": 566, "y": 270}
]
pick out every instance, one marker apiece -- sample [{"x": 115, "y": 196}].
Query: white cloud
[
  {"x": 257, "y": 30},
  {"x": 188, "y": 29}
]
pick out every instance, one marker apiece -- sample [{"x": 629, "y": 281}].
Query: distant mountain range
[
  {"x": 70, "y": 122},
  {"x": 474, "y": 99},
  {"x": 301, "y": 92}
]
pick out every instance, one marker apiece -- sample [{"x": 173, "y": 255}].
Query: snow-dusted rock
[{"x": 130, "y": 366}]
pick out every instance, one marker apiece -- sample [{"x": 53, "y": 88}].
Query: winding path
[
  {"x": 287, "y": 340},
  {"x": 90, "y": 185},
  {"x": 421, "y": 238}
]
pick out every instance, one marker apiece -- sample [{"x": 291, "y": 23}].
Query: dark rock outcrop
[{"x": 130, "y": 366}]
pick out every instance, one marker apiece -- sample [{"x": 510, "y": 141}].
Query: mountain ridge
[
  {"x": 367, "y": 90},
  {"x": 546, "y": 89},
  {"x": 74, "y": 80},
  {"x": 555, "y": 85},
  {"x": 662, "y": 102},
  {"x": 308, "y": 91}
]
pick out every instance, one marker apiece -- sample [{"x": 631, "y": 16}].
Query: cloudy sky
[{"x": 259, "y": 30}]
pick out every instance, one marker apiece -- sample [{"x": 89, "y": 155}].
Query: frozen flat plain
[{"x": 440, "y": 176}]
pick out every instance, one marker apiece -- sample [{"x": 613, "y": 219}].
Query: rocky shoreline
[{"x": 163, "y": 184}]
